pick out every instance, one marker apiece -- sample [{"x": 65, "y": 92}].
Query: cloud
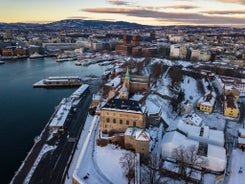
[
  {"x": 77, "y": 17},
  {"x": 183, "y": 18},
  {"x": 233, "y": 1},
  {"x": 225, "y": 12},
  {"x": 180, "y": 6},
  {"x": 118, "y": 2}
]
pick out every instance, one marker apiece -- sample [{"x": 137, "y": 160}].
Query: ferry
[{"x": 59, "y": 81}]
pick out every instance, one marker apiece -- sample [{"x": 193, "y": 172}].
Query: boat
[
  {"x": 64, "y": 57},
  {"x": 78, "y": 63},
  {"x": 59, "y": 81},
  {"x": 36, "y": 55},
  {"x": 2, "y": 62}
]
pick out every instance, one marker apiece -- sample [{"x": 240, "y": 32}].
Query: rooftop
[{"x": 122, "y": 104}]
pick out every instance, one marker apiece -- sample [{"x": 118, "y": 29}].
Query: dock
[{"x": 59, "y": 81}]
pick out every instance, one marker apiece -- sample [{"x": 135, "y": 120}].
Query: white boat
[
  {"x": 36, "y": 55},
  {"x": 2, "y": 62},
  {"x": 78, "y": 63}
]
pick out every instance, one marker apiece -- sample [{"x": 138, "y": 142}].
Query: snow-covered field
[{"x": 108, "y": 160}]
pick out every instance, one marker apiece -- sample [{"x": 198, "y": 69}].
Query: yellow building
[
  {"x": 137, "y": 139},
  {"x": 206, "y": 103},
  {"x": 231, "y": 90},
  {"x": 230, "y": 107},
  {"x": 119, "y": 114}
]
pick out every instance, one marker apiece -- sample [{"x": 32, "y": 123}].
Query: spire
[{"x": 127, "y": 75}]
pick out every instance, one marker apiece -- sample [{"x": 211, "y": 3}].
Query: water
[{"x": 24, "y": 111}]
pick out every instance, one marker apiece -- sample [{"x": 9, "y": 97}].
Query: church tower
[{"x": 127, "y": 79}]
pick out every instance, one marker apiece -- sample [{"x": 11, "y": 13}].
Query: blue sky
[{"x": 150, "y": 12}]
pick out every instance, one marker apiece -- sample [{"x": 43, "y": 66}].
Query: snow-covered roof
[
  {"x": 115, "y": 82},
  {"x": 138, "y": 133},
  {"x": 79, "y": 91},
  {"x": 142, "y": 136},
  {"x": 203, "y": 134},
  {"x": 216, "y": 155},
  {"x": 193, "y": 119},
  {"x": 152, "y": 107},
  {"x": 241, "y": 140},
  {"x": 60, "y": 116},
  {"x": 241, "y": 132},
  {"x": 208, "y": 99},
  {"x": 122, "y": 105},
  {"x": 131, "y": 131}
]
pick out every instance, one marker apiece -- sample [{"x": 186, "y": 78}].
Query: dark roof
[{"x": 122, "y": 104}]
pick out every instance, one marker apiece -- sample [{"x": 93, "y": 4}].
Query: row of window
[{"x": 120, "y": 121}]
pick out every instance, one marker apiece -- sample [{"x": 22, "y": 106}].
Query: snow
[
  {"x": 60, "y": 116},
  {"x": 44, "y": 150},
  {"x": 115, "y": 82},
  {"x": 216, "y": 155},
  {"x": 152, "y": 108},
  {"x": 142, "y": 136},
  {"x": 237, "y": 162},
  {"x": 108, "y": 160},
  {"x": 189, "y": 86}
]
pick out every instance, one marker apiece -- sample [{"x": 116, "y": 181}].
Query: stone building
[
  {"x": 137, "y": 139},
  {"x": 119, "y": 114},
  {"x": 136, "y": 83}
]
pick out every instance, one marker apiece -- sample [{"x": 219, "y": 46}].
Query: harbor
[
  {"x": 57, "y": 140},
  {"x": 35, "y": 105}
]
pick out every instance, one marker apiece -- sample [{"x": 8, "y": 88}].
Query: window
[
  {"x": 134, "y": 123},
  {"x": 114, "y": 121},
  {"x": 121, "y": 121},
  {"x": 108, "y": 120},
  {"x": 127, "y": 122}
]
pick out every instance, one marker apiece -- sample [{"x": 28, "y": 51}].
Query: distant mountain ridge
[{"x": 70, "y": 24}]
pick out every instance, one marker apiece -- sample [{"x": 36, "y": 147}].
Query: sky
[{"x": 147, "y": 12}]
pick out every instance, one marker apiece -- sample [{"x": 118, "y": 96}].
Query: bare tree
[
  {"x": 127, "y": 162},
  {"x": 188, "y": 161},
  {"x": 151, "y": 170}
]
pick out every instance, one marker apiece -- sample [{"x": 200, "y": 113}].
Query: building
[
  {"x": 239, "y": 84},
  {"x": 136, "y": 83},
  {"x": 206, "y": 103},
  {"x": 119, "y": 114},
  {"x": 195, "y": 54},
  {"x": 193, "y": 119},
  {"x": 241, "y": 138},
  {"x": 202, "y": 134},
  {"x": 111, "y": 88},
  {"x": 138, "y": 140},
  {"x": 230, "y": 106},
  {"x": 215, "y": 155},
  {"x": 175, "y": 51}
]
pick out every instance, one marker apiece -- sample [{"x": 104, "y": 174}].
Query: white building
[
  {"x": 202, "y": 134},
  {"x": 193, "y": 119},
  {"x": 215, "y": 155},
  {"x": 175, "y": 50}
]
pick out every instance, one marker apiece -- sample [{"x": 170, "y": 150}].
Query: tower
[{"x": 127, "y": 79}]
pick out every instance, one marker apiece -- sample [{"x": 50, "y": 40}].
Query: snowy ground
[
  {"x": 93, "y": 164},
  {"x": 237, "y": 162},
  {"x": 189, "y": 86},
  {"x": 108, "y": 160}
]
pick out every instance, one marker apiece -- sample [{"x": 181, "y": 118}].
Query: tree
[
  {"x": 127, "y": 162},
  {"x": 151, "y": 170},
  {"x": 188, "y": 161}
]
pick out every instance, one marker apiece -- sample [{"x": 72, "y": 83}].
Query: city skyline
[{"x": 154, "y": 12}]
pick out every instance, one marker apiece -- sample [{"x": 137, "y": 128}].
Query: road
[{"x": 54, "y": 164}]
